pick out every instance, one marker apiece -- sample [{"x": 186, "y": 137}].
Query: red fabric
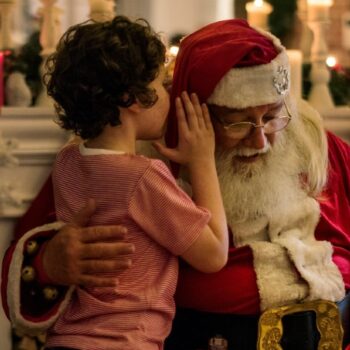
[
  {"x": 41, "y": 211},
  {"x": 334, "y": 224},
  {"x": 214, "y": 49},
  {"x": 40, "y": 274},
  {"x": 4, "y": 277},
  {"x": 231, "y": 290}
]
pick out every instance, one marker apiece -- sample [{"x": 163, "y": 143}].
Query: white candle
[
  {"x": 257, "y": 13},
  {"x": 320, "y": 2},
  {"x": 295, "y": 61},
  {"x": 318, "y": 10}
]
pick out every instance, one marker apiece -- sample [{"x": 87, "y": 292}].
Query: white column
[
  {"x": 306, "y": 33},
  {"x": 224, "y": 9},
  {"x": 6, "y": 7},
  {"x": 50, "y": 33},
  {"x": 296, "y": 60},
  {"x": 75, "y": 11},
  {"x": 318, "y": 19},
  {"x": 181, "y": 16},
  {"x": 102, "y": 10}
]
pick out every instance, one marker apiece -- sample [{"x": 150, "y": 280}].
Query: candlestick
[
  {"x": 320, "y": 96},
  {"x": 50, "y": 32},
  {"x": 102, "y": 10},
  {"x": 6, "y": 7},
  {"x": 257, "y": 13},
  {"x": 295, "y": 61},
  {"x": 2, "y": 57},
  {"x": 318, "y": 10}
]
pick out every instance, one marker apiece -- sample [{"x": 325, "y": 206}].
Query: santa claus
[{"x": 285, "y": 185}]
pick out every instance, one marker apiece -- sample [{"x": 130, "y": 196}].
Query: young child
[{"x": 106, "y": 80}]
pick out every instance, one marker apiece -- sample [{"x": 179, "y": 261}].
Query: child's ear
[{"x": 135, "y": 108}]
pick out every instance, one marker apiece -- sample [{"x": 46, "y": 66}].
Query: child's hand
[{"x": 196, "y": 135}]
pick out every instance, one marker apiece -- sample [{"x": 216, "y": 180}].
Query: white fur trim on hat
[{"x": 252, "y": 86}]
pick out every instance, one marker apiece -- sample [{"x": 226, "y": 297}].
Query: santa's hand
[
  {"x": 196, "y": 135},
  {"x": 77, "y": 255}
]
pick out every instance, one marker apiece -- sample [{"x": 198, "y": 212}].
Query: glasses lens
[
  {"x": 276, "y": 124},
  {"x": 239, "y": 131}
]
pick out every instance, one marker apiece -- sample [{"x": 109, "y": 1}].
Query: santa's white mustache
[{"x": 249, "y": 152}]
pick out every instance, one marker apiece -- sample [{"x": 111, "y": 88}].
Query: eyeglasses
[{"x": 241, "y": 130}]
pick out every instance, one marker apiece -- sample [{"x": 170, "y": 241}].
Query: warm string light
[
  {"x": 173, "y": 50},
  {"x": 331, "y": 61}
]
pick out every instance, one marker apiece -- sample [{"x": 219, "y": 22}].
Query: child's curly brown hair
[{"x": 99, "y": 67}]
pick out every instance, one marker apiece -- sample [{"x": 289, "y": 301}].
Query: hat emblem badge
[{"x": 281, "y": 80}]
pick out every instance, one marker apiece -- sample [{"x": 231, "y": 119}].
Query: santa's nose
[{"x": 257, "y": 139}]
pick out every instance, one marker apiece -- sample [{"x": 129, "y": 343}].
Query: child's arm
[{"x": 196, "y": 150}]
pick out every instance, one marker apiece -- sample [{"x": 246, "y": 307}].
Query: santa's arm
[
  {"x": 334, "y": 224},
  {"x": 29, "y": 299}
]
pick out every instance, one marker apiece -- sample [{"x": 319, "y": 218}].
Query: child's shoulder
[
  {"x": 69, "y": 148},
  {"x": 145, "y": 164},
  {"x": 158, "y": 165}
]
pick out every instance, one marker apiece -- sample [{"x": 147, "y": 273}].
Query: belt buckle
[{"x": 328, "y": 323}]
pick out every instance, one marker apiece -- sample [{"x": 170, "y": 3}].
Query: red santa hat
[{"x": 229, "y": 63}]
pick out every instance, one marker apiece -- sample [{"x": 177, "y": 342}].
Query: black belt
[{"x": 192, "y": 330}]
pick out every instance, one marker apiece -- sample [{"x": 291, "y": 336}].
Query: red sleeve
[
  {"x": 40, "y": 212},
  {"x": 334, "y": 225}
]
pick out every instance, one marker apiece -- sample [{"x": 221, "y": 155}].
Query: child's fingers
[
  {"x": 170, "y": 153},
  {"x": 181, "y": 116},
  {"x": 198, "y": 109},
  {"x": 190, "y": 112},
  {"x": 206, "y": 117}
]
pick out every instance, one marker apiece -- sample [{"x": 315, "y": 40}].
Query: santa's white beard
[
  {"x": 254, "y": 190},
  {"x": 267, "y": 209}
]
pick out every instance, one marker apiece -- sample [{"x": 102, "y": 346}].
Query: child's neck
[{"x": 114, "y": 138}]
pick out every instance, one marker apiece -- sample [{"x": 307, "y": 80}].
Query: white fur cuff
[{"x": 14, "y": 284}]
